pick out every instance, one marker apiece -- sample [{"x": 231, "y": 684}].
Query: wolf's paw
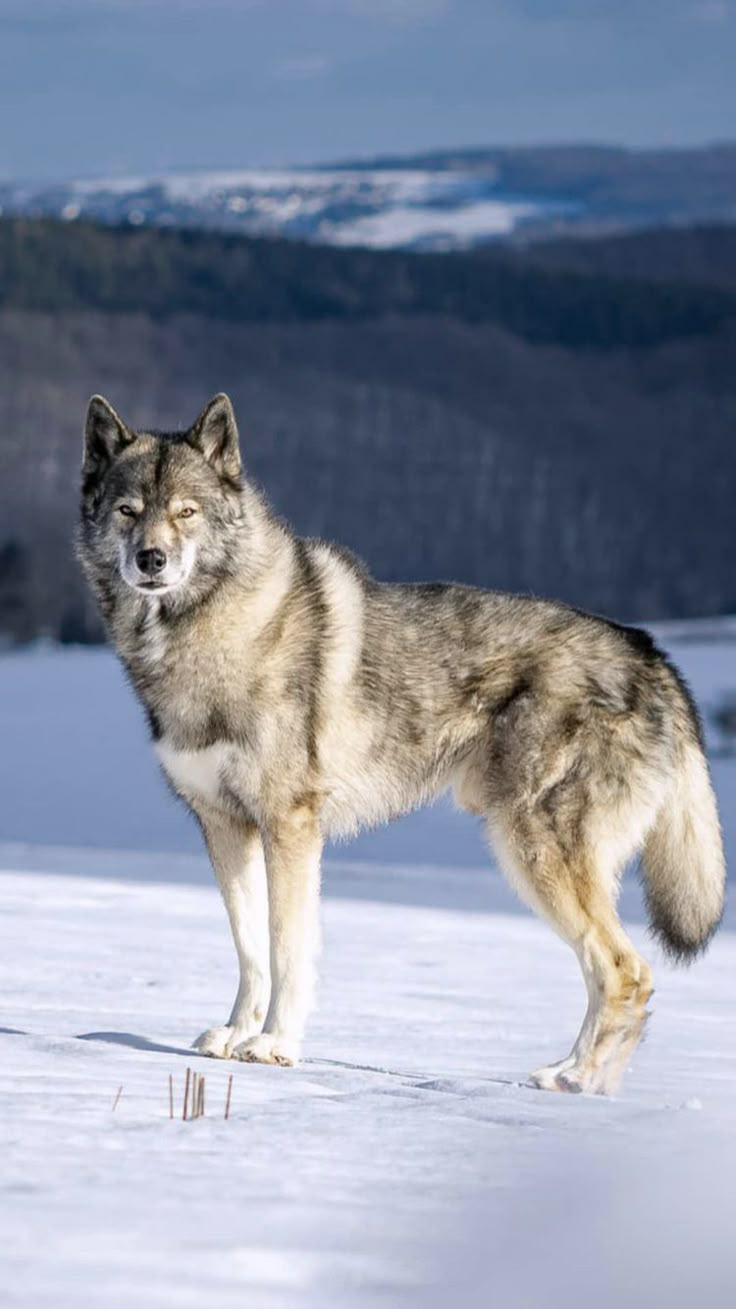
[
  {"x": 559, "y": 1077},
  {"x": 218, "y": 1042},
  {"x": 267, "y": 1049}
]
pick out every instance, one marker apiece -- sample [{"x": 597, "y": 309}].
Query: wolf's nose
[{"x": 151, "y": 561}]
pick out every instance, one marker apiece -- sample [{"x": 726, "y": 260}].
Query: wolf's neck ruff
[{"x": 291, "y": 697}]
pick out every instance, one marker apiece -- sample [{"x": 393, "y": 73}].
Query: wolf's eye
[
  {"x": 126, "y": 511},
  {"x": 186, "y": 512}
]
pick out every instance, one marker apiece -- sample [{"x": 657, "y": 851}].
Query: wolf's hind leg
[
  {"x": 293, "y": 852},
  {"x": 237, "y": 857},
  {"x": 577, "y": 900}
]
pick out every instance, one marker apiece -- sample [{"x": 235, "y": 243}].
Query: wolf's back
[{"x": 683, "y": 859}]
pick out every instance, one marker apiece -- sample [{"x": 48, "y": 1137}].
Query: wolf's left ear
[
  {"x": 105, "y": 435},
  {"x": 215, "y": 433}
]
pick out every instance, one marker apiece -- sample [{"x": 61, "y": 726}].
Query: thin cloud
[
  {"x": 302, "y": 68},
  {"x": 711, "y": 11},
  {"x": 401, "y": 11}
]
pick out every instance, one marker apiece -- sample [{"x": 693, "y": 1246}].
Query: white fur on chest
[{"x": 199, "y": 774}]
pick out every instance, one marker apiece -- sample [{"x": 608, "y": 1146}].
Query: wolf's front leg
[
  {"x": 237, "y": 858},
  {"x": 293, "y": 853}
]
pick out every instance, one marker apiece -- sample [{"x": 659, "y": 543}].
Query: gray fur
[{"x": 293, "y": 697}]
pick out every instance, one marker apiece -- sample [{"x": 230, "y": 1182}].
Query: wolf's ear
[
  {"x": 215, "y": 433},
  {"x": 105, "y": 435}
]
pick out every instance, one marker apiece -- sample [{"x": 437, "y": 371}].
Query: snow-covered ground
[
  {"x": 405, "y": 1161},
  {"x": 352, "y": 1179}
]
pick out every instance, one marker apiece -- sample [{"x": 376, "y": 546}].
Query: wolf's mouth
[{"x": 153, "y": 587}]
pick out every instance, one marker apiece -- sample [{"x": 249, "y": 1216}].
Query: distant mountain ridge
[{"x": 442, "y": 200}]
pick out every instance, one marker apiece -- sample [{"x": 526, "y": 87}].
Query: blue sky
[{"x": 92, "y": 86}]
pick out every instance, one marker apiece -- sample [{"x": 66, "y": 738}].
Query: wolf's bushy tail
[{"x": 683, "y": 860}]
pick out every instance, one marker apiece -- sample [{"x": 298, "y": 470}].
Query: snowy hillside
[
  {"x": 406, "y": 1162},
  {"x": 446, "y": 199},
  {"x": 413, "y": 207}
]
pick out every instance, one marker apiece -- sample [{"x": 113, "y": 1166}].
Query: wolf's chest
[{"x": 221, "y": 775}]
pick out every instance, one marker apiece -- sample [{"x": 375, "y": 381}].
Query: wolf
[{"x": 291, "y": 698}]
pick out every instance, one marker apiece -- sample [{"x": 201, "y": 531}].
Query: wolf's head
[{"x": 162, "y": 513}]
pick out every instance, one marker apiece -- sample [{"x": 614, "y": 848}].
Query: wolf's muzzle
[{"x": 151, "y": 561}]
